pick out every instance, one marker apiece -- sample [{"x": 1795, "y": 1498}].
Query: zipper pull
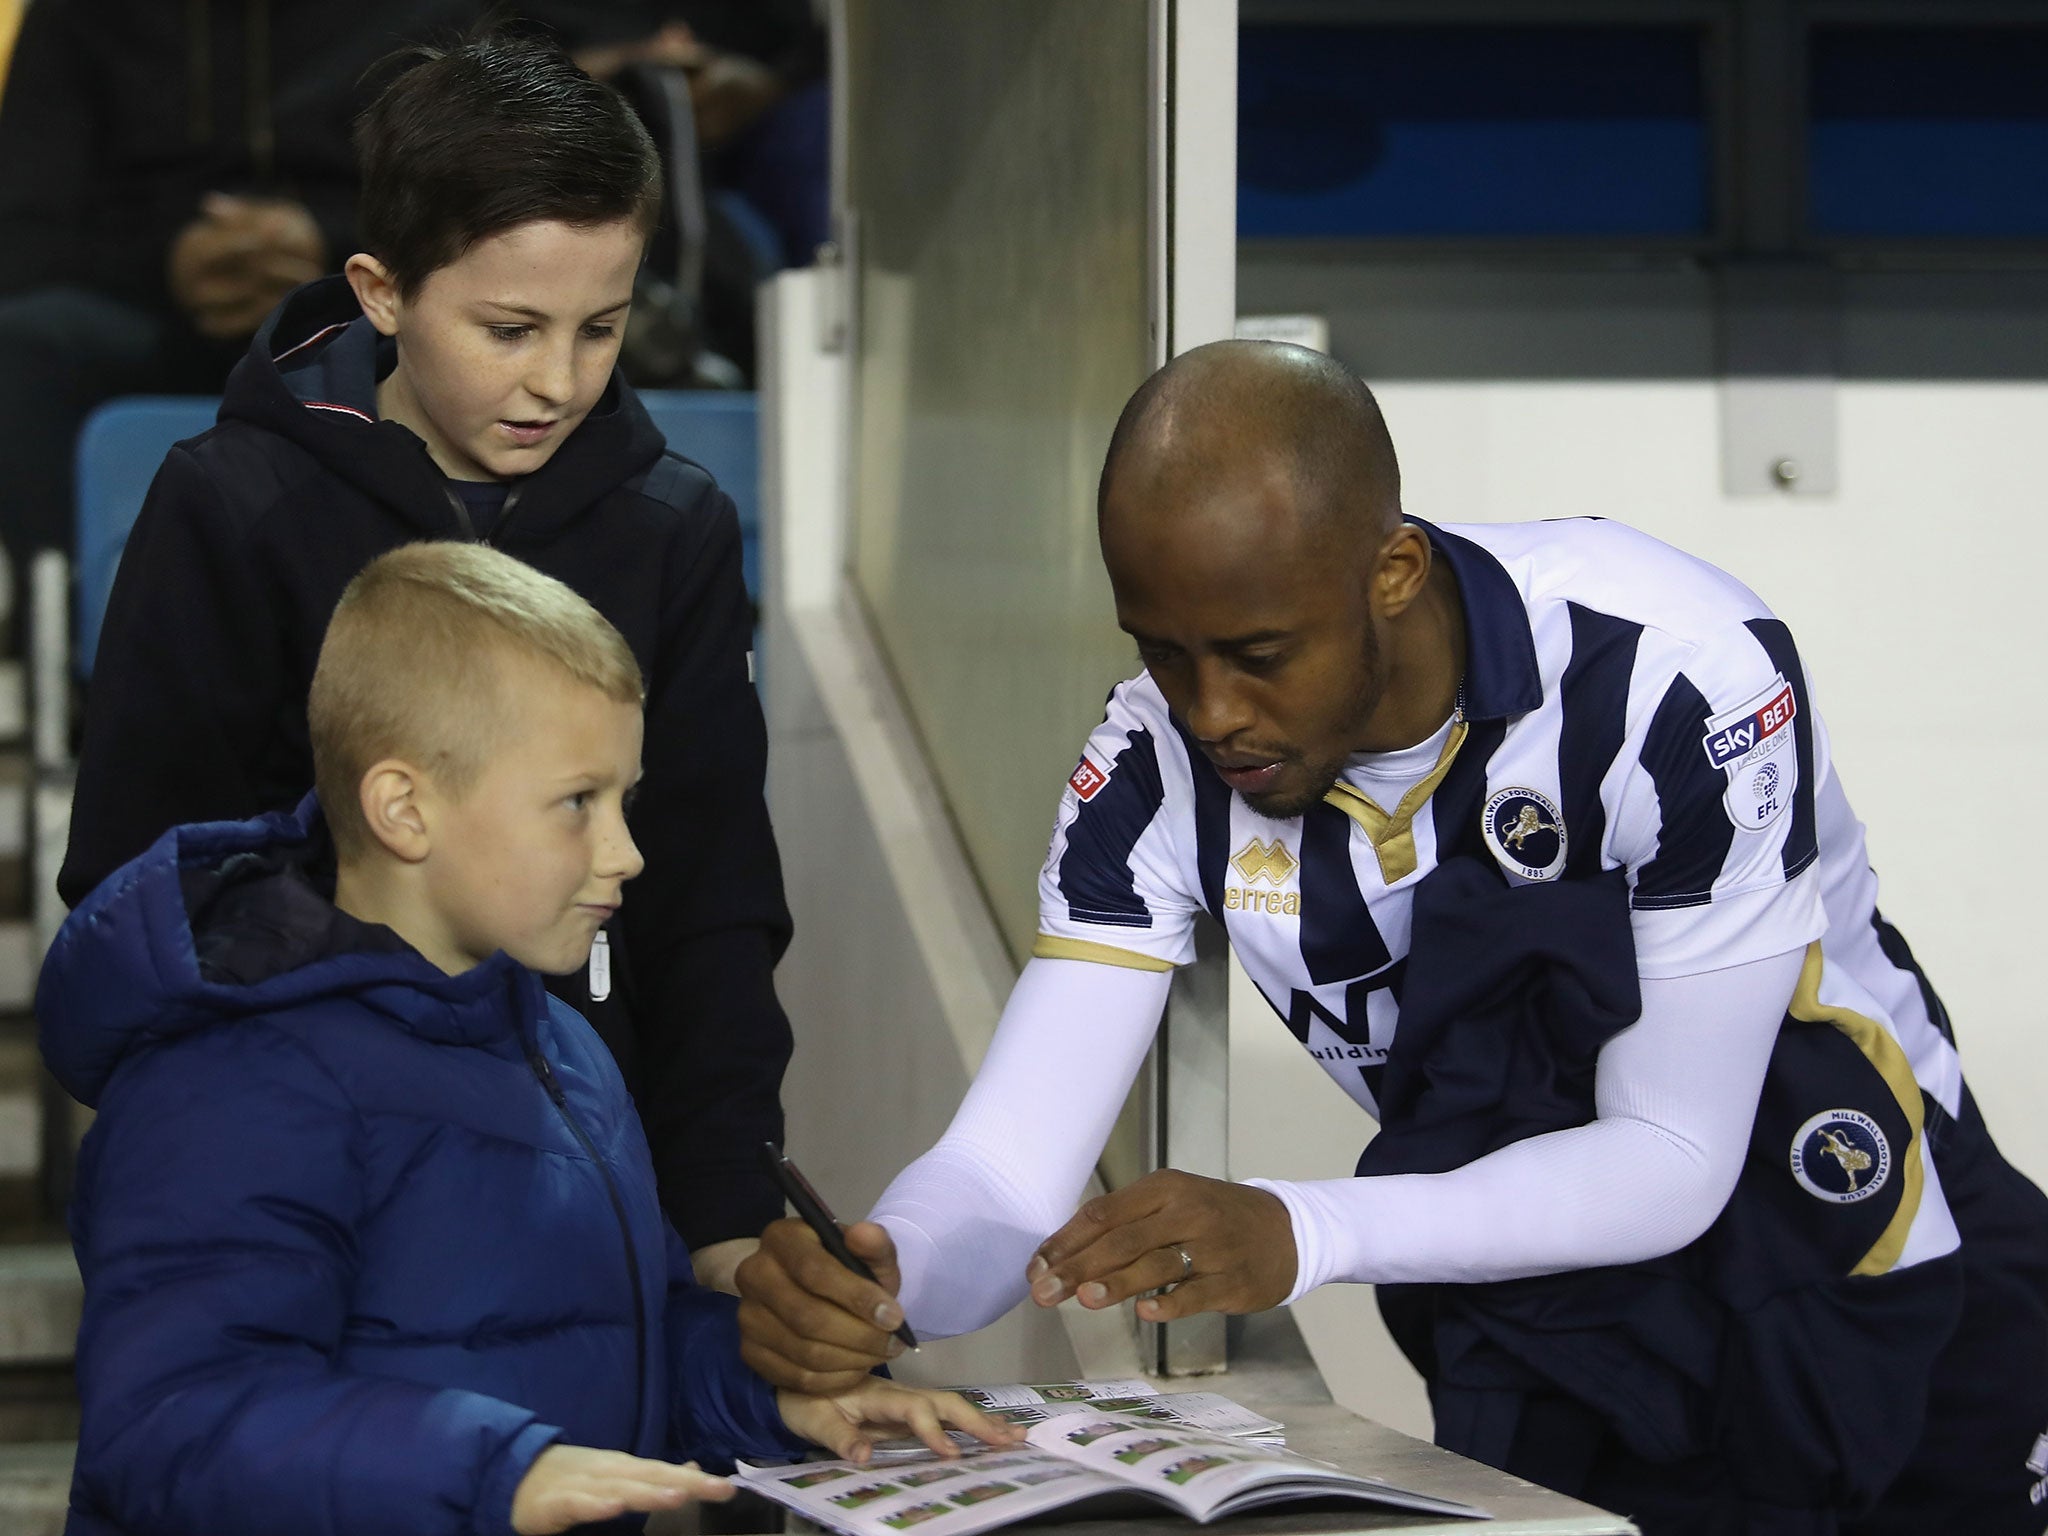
[
  {"x": 546, "y": 1074},
  {"x": 601, "y": 967}
]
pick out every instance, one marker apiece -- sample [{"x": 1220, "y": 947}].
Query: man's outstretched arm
[
  {"x": 1675, "y": 1097},
  {"x": 954, "y": 1230}
]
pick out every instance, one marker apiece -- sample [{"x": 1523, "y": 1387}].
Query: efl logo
[
  {"x": 1726, "y": 739},
  {"x": 1088, "y": 780}
]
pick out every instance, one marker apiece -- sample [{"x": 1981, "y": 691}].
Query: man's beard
[
  {"x": 1287, "y": 806},
  {"x": 1323, "y": 775}
]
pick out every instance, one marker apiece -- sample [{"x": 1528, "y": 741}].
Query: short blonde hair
[{"x": 410, "y": 667}]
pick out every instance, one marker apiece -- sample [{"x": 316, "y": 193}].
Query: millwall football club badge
[
  {"x": 1841, "y": 1156},
  {"x": 1525, "y": 830}
]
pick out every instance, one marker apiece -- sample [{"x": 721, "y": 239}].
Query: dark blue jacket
[{"x": 359, "y": 1239}]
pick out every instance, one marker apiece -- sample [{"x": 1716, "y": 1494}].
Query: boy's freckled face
[
  {"x": 503, "y": 352},
  {"x": 534, "y": 857}
]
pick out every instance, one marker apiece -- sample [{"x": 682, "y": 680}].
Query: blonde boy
[{"x": 367, "y": 1221}]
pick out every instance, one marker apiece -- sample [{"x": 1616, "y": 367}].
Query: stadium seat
[
  {"x": 721, "y": 432},
  {"x": 119, "y": 450},
  {"x": 124, "y": 441}
]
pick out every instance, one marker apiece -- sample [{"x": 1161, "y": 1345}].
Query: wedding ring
[{"x": 1187, "y": 1265}]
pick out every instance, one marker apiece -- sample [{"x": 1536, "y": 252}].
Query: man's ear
[
  {"x": 392, "y": 796},
  {"x": 376, "y": 290},
  {"x": 1402, "y": 570}
]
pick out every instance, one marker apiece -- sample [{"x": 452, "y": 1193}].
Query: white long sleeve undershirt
[
  {"x": 1675, "y": 1095},
  {"x": 967, "y": 1216}
]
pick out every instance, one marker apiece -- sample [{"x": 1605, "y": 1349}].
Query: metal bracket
[
  {"x": 1192, "y": 1125},
  {"x": 1779, "y": 333}
]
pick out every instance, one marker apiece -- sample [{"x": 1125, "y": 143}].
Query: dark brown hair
[{"x": 493, "y": 132}]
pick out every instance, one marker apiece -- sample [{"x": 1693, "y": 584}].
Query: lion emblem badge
[
  {"x": 1841, "y": 1156},
  {"x": 1525, "y": 831}
]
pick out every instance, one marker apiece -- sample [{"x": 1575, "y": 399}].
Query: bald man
[{"x": 1532, "y": 836}]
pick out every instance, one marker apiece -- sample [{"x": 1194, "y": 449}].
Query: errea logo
[{"x": 1259, "y": 860}]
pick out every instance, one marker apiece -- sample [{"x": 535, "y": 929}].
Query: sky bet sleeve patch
[
  {"x": 1088, "y": 779},
  {"x": 1750, "y": 744}
]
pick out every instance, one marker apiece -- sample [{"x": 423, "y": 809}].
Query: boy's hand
[
  {"x": 716, "y": 1265},
  {"x": 571, "y": 1485},
  {"x": 809, "y": 1323},
  {"x": 845, "y": 1424}
]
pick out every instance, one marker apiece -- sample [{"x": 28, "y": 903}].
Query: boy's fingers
[
  {"x": 961, "y": 1414},
  {"x": 651, "y": 1496},
  {"x": 579, "y": 1506},
  {"x": 917, "y": 1415},
  {"x": 713, "y": 1490},
  {"x": 839, "y": 1436}
]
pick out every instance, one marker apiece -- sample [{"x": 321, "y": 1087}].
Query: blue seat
[
  {"x": 119, "y": 450},
  {"x": 721, "y": 431},
  {"x": 123, "y": 442}
]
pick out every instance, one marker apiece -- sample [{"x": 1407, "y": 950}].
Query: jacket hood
[
  {"x": 311, "y": 376},
  {"x": 226, "y": 920}
]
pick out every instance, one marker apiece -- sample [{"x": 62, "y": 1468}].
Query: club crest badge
[
  {"x": 1525, "y": 830},
  {"x": 1841, "y": 1156}
]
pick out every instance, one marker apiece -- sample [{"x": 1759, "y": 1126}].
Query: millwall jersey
[{"x": 1624, "y": 707}]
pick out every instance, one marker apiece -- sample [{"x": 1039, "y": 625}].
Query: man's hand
[
  {"x": 729, "y": 93},
  {"x": 809, "y": 1323},
  {"x": 675, "y": 46},
  {"x": 846, "y": 1424},
  {"x": 1239, "y": 1243},
  {"x": 230, "y": 266},
  {"x": 572, "y": 1485}
]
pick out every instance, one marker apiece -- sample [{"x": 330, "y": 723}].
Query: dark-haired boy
[{"x": 459, "y": 383}]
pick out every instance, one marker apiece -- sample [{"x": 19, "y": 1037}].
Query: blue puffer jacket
[{"x": 359, "y": 1239}]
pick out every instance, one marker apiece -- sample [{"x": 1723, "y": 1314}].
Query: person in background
[{"x": 168, "y": 173}]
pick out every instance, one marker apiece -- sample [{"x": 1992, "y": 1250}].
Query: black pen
[{"x": 797, "y": 1190}]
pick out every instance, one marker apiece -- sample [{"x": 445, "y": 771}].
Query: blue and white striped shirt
[{"x": 1625, "y": 707}]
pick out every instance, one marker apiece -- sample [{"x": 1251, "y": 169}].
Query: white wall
[
  {"x": 1918, "y": 597},
  {"x": 897, "y": 973}
]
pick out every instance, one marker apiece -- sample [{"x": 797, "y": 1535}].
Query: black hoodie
[{"x": 198, "y": 703}]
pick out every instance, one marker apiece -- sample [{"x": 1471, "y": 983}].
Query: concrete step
[
  {"x": 35, "y": 1487},
  {"x": 13, "y": 700},
  {"x": 21, "y": 958},
  {"x": 40, "y": 1299}
]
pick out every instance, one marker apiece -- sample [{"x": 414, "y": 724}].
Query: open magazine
[
  {"x": 1029, "y": 1405},
  {"x": 1072, "y": 1458}
]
